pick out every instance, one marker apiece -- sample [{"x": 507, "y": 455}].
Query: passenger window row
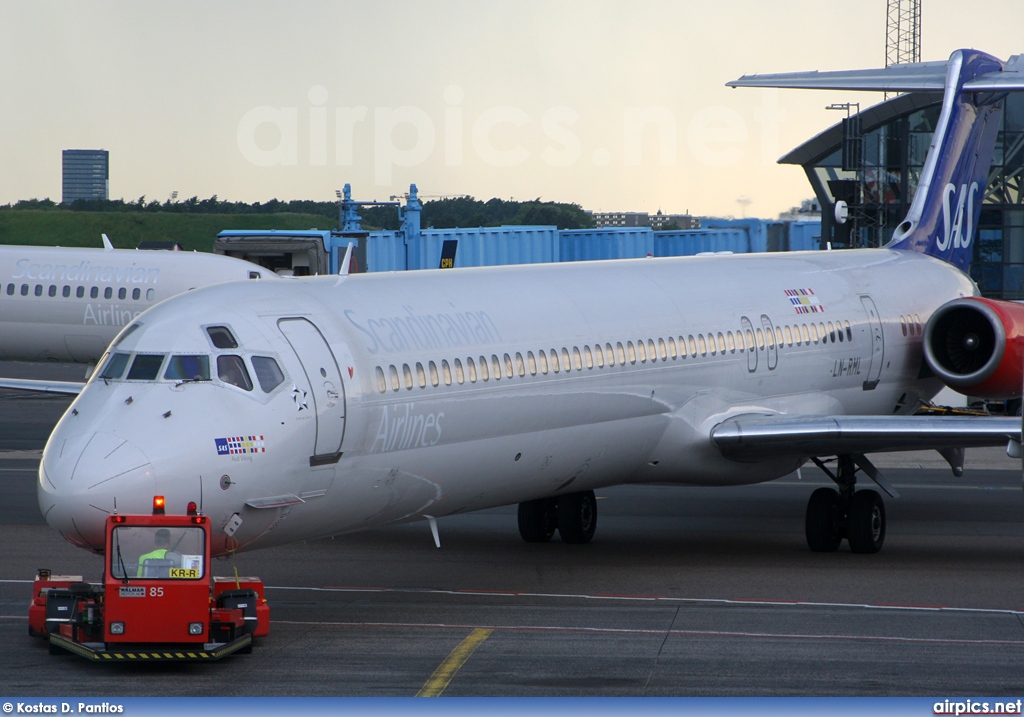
[
  {"x": 80, "y": 291},
  {"x": 471, "y": 370}
]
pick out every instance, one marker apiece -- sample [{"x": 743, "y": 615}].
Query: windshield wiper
[{"x": 120, "y": 564}]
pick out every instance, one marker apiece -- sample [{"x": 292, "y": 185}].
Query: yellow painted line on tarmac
[{"x": 445, "y": 672}]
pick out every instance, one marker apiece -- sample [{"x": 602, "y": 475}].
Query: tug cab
[{"x": 158, "y": 600}]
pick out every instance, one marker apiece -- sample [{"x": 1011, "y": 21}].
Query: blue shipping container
[
  {"x": 617, "y": 243},
  {"x": 479, "y": 246},
  {"x": 694, "y": 241}
]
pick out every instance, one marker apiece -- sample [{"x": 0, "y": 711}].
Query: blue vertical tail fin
[{"x": 944, "y": 214}]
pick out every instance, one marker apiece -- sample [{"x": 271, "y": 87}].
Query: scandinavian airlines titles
[
  {"x": 112, "y": 315},
  {"x": 86, "y": 271},
  {"x": 412, "y": 331},
  {"x": 402, "y": 427}
]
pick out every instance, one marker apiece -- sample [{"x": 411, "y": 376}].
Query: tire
[
  {"x": 866, "y": 522},
  {"x": 823, "y": 523},
  {"x": 538, "y": 520},
  {"x": 577, "y": 517}
]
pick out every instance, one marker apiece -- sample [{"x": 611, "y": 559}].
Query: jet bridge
[{"x": 294, "y": 253}]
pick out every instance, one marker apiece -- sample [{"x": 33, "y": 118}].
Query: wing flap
[
  {"x": 757, "y": 437},
  {"x": 70, "y": 388}
]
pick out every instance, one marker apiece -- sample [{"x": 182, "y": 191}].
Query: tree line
[{"x": 445, "y": 213}]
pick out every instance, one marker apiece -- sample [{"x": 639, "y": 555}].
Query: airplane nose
[{"x": 81, "y": 478}]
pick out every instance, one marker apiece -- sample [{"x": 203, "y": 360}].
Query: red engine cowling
[{"x": 976, "y": 346}]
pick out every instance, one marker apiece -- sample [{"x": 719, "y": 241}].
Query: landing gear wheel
[
  {"x": 538, "y": 520},
  {"x": 823, "y": 523},
  {"x": 866, "y": 522},
  {"x": 577, "y": 517}
]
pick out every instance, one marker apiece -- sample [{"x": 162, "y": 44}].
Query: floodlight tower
[{"x": 903, "y": 32}]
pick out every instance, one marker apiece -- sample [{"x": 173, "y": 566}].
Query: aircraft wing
[
  {"x": 71, "y": 388},
  {"x": 909, "y": 77},
  {"x": 753, "y": 437}
]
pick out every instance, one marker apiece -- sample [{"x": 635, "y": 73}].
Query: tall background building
[
  {"x": 657, "y": 221},
  {"x": 86, "y": 174}
]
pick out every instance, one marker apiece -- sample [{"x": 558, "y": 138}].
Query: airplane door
[
  {"x": 748, "y": 333},
  {"x": 773, "y": 348},
  {"x": 877, "y": 343},
  {"x": 326, "y": 387}
]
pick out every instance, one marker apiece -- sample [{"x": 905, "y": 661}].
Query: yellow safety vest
[{"x": 158, "y": 553}]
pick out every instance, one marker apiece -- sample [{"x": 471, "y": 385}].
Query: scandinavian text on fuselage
[
  {"x": 87, "y": 272},
  {"x": 418, "y": 332}
]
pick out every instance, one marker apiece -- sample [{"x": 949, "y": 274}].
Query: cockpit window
[
  {"x": 115, "y": 366},
  {"x": 222, "y": 337},
  {"x": 188, "y": 368},
  {"x": 145, "y": 367},
  {"x": 268, "y": 373},
  {"x": 231, "y": 369}
]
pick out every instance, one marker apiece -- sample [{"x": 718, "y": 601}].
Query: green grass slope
[{"x": 127, "y": 229}]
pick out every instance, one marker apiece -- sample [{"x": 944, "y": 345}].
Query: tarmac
[{"x": 683, "y": 592}]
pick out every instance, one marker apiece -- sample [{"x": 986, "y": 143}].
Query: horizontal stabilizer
[
  {"x": 1011, "y": 78},
  {"x": 757, "y": 437},
  {"x": 910, "y": 77}
]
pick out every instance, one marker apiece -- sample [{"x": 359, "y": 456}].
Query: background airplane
[
  {"x": 293, "y": 410},
  {"x": 67, "y": 304}
]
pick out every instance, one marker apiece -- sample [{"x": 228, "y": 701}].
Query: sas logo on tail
[{"x": 958, "y": 232}]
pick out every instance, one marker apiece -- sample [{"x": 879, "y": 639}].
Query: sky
[{"x": 615, "y": 106}]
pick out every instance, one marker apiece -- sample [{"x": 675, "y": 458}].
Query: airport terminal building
[{"x": 873, "y": 161}]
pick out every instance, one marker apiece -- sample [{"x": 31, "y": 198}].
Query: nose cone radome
[{"x": 85, "y": 477}]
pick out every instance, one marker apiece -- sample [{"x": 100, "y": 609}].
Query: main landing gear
[
  {"x": 836, "y": 514},
  {"x": 574, "y": 516}
]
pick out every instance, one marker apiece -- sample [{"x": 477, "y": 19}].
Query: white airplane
[
  {"x": 298, "y": 409},
  {"x": 67, "y": 304}
]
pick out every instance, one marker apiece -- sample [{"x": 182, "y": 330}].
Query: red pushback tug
[{"x": 157, "y": 602}]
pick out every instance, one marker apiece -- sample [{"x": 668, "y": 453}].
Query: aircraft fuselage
[
  {"x": 67, "y": 304},
  {"x": 402, "y": 396}
]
